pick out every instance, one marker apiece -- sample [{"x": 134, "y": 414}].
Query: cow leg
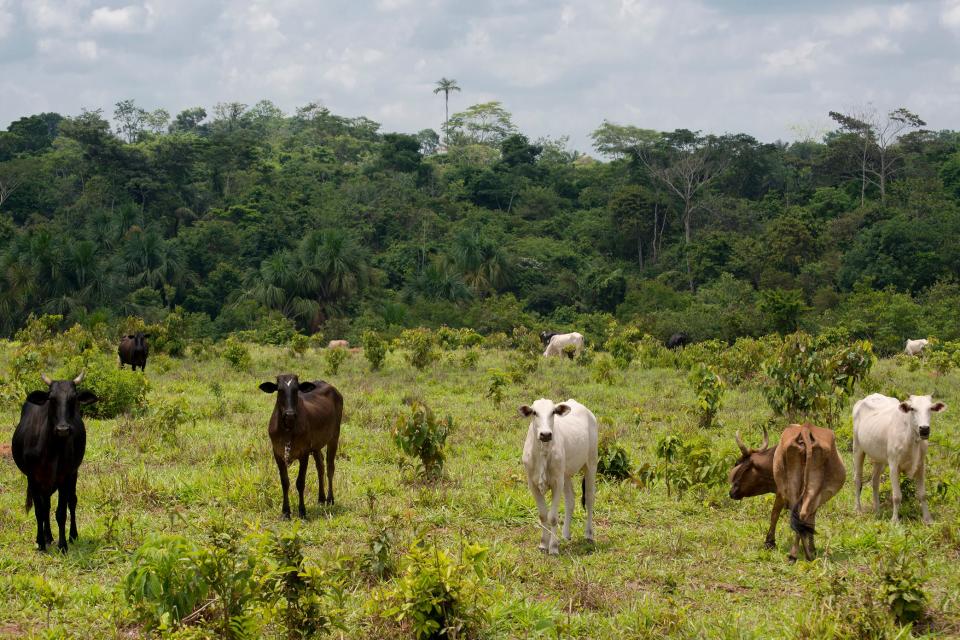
[
  {"x": 858, "y": 458},
  {"x": 792, "y": 556},
  {"x": 331, "y": 464},
  {"x": 553, "y": 517},
  {"x": 284, "y": 484},
  {"x": 875, "y": 485},
  {"x": 322, "y": 498},
  {"x": 809, "y": 550},
  {"x": 590, "y": 494},
  {"x": 770, "y": 542},
  {"x": 542, "y": 511},
  {"x": 569, "y": 502},
  {"x": 302, "y": 483},
  {"x": 71, "y": 487},
  {"x": 922, "y": 492},
  {"x": 895, "y": 490},
  {"x": 62, "y": 500},
  {"x": 38, "y": 501}
]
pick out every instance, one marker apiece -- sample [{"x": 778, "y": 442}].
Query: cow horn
[
  {"x": 47, "y": 381},
  {"x": 79, "y": 378},
  {"x": 766, "y": 437},
  {"x": 743, "y": 447}
]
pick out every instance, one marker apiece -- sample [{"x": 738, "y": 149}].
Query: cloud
[
  {"x": 6, "y": 18},
  {"x": 129, "y": 19},
  {"x": 68, "y": 52},
  {"x": 800, "y": 58},
  {"x": 950, "y": 14}
]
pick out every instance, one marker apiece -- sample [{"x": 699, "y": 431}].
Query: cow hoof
[
  {"x": 770, "y": 544},
  {"x": 73, "y": 536},
  {"x": 330, "y": 501},
  {"x": 554, "y": 552},
  {"x": 791, "y": 559},
  {"x": 303, "y": 514},
  {"x": 62, "y": 547},
  {"x": 285, "y": 515}
]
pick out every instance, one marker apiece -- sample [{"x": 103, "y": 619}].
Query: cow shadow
[{"x": 581, "y": 547}]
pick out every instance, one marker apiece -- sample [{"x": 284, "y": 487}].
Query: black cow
[
  {"x": 545, "y": 336},
  {"x": 48, "y": 448},
  {"x": 678, "y": 340},
  {"x": 133, "y": 350}
]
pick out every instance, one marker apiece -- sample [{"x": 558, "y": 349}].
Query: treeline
[{"x": 248, "y": 215}]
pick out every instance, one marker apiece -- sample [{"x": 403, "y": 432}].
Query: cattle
[
  {"x": 808, "y": 471},
  {"x": 752, "y": 475},
  {"x": 914, "y": 347},
  {"x": 545, "y": 337},
  {"x": 306, "y": 418},
  {"x": 133, "y": 350},
  {"x": 561, "y": 441},
  {"x": 559, "y": 342},
  {"x": 48, "y": 447},
  {"x": 678, "y": 340},
  {"x": 893, "y": 432},
  {"x": 338, "y": 344}
]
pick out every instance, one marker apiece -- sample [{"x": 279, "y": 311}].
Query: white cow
[
  {"x": 894, "y": 432},
  {"x": 913, "y": 347},
  {"x": 338, "y": 344},
  {"x": 562, "y": 340},
  {"x": 561, "y": 441}
]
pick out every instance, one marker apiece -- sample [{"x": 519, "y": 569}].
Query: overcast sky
[{"x": 769, "y": 68}]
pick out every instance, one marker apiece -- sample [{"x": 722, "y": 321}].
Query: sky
[{"x": 769, "y": 68}]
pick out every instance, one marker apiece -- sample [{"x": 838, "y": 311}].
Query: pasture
[{"x": 690, "y": 565}]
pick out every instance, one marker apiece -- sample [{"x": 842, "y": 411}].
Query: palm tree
[{"x": 446, "y": 85}]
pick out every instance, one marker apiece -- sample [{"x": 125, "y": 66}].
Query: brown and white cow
[{"x": 808, "y": 472}]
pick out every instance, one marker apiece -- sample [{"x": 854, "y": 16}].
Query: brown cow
[
  {"x": 306, "y": 418},
  {"x": 808, "y": 471},
  {"x": 752, "y": 475}
]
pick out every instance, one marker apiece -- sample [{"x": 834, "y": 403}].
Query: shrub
[
  {"x": 299, "y": 344},
  {"x": 521, "y": 366},
  {"x": 374, "y": 349},
  {"x": 498, "y": 382},
  {"x": 939, "y": 362},
  {"x": 470, "y": 359},
  {"x": 614, "y": 461},
  {"x": 418, "y": 434},
  {"x": 378, "y": 560},
  {"x": 708, "y": 385},
  {"x": 421, "y": 346},
  {"x": 621, "y": 345},
  {"x": 707, "y": 353},
  {"x": 901, "y": 588},
  {"x": 166, "y": 418},
  {"x": 685, "y": 465},
  {"x": 439, "y": 595},
  {"x": 165, "y": 584},
  {"x": 497, "y": 340},
  {"x": 334, "y": 358},
  {"x": 526, "y": 341},
  {"x": 276, "y": 330},
  {"x": 118, "y": 390},
  {"x": 603, "y": 369},
  {"x": 237, "y": 354},
  {"x": 744, "y": 360}
]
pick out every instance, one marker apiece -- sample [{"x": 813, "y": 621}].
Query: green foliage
[
  {"x": 236, "y": 354},
  {"x": 165, "y": 584},
  {"x": 470, "y": 359},
  {"x": 684, "y": 465},
  {"x": 901, "y": 588},
  {"x": 118, "y": 390},
  {"x": 378, "y": 560},
  {"x": 299, "y": 344},
  {"x": 452, "y": 339},
  {"x": 603, "y": 369},
  {"x": 708, "y": 385},
  {"x": 420, "y": 346},
  {"x": 333, "y": 359},
  {"x": 498, "y": 382},
  {"x": 164, "y": 419},
  {"x": 622, "y": 346},
  {"x": 374, "y": 349},
  {"x": 438, "y": 595},
  {"x": 613, "y": 462},
  {"x": 419, "y": 434}
]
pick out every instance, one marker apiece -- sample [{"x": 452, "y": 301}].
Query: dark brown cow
[
  {"x": 133, "y": 350},
  {"x": 752, "y": 475},
  {"x": 48, "y": 447},
  {"x": 808, "y": 471},
  {"x": 306, "y": 418}
]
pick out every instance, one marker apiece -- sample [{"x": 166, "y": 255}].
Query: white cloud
[
  {"x": 129, "y": 19},
  {"x": 6, "y": 18},
  {"x": 883, "y": 44},
  {"x": 950, "y": 14},
  {"x": 801, "y": 58},
  {"x": 45, "y": 15},
  {"x": 68, "y": 51},
  {"x": 260, "y": 19}
]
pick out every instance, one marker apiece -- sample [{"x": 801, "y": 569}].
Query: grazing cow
[
  {"x": 913, "y": 347},
  {"x": 808, "y": 471},
  {"x": 133, "y": 350},
  {"x": 678, "y": 340},
  {"x": 895, "y": 433},
  {"x": 306, "y": 418},
  {"x": 752, "y": 475},
  {"x": 561, "y": 441},
  {"x": 560, "y": 341},
  {"x": 545, "y": 337},
  {"x": 338, "y": 344},
  {"x": 48, "y": 447}
]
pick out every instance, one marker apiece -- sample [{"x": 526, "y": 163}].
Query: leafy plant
[
  {"x": 685, "y": 465},
  {"x": 603, "y": 369},
  {"x": 419, "y": 434},
  {"x": 470, "y": 358},
  {"x": 421, "y": 347},
  {"x": 334, "y": 359},
  {"x": 498, "y": 382},
  {"x": 708, "y": 385},
  {"x": 165, "y": 584},
  {"x": 901, "y": 588},
  {"x": 613, "y": 460},
  {"x": 237, "y": 354},
  {"x": 374, "y": 349},
  {"x": 299, "y": 344}
]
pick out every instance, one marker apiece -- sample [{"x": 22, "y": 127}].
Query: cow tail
[
  {"x": 29, "y": 503},
  {"x": 583, "y": 495},
  {"x": 796, "y": 523}
]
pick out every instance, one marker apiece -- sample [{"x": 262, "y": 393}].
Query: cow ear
[
  {"x": 38, "y": 397},
  {"x": 905, "y": 407},
  {"x": 268, "y": 387},
  {"x": 306, "y": 387},
  {"x": 131, "y": 337},
  {"x": 86, "y": 397},
  {"x": 561, "y": 409},
  {"x": 938, "y": 407},
  {"x": 526, "y": 411}
]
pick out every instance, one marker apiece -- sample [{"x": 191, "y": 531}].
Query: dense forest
[{"x": 249, "y": 215}]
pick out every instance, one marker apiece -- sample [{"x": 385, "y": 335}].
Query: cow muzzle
[
  {"x": 62, "y": 430},
  {"x": 924, "y": 432},
  {"x": 545, "y": 437},
  {"x": 734, "y": 495}
]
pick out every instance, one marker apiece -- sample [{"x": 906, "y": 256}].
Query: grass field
[{"x": 661, "y": 566}]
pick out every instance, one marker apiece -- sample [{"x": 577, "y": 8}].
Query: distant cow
[
  {"x": 561, "y": 341},
  {"x": 752, "y": 475},
  {"x": 545, "y": 337},
  {"x": 133, "y": 350},
  {"x": 48, "y": 447},
  {"x": 893, "y": 432},
  {"x": 305, "y": 419},
  {"x": 808, "y": 471},
  {"x": 561, "y": 441},
  {"x": 913, "y": 347},
  {"x": 678, "y": 340},
  {"x": 338, "y": 344}
]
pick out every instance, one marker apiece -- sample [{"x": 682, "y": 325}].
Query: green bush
[
  {"x": 118, "y": 390},
  {"x": 237, "y": 354},
  {"x": 498, "y": 382},
  {"x": 470, "y": 358},
  {"x": 421, "y": 347},
  {"x": 374, "y": 349},
  {"x": 901, "y": 588},
  {"x": 299, "y": 344},
  {"x": 708, "y": 385},
  {"x": 622, "y": 347},
  {"x": 165, "y": 584},
  {"x": 613, "y": 462},
  {"x": 603, "y": 369},
  {"x": 418, "y": 434},
  {"x": 683, "y": 465},
  {"x": 334, "y": 358},
  {"x": 525, "y": 341}
]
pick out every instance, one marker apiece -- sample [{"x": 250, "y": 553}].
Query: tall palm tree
[{"x": 446, "y": 85}]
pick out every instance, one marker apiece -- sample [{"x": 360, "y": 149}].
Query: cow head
[
  {"x": 139, "y": 340},
  {"x": 288, "y": 388},
  {"x": 918, "y": 409},
  {"x": 545, "y": 337},
  {"x": 752, "y": 475},
  {"x": 542, "y": 413},
  {"x": 61, "y": 400}
]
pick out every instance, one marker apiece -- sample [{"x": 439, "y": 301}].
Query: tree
[
  {"x": 13, "y": 173},
  {"x": 487, "y": 123},
  {"x": 618, "y": 141},
  {"x": 446, "y": 85},
  {"x": 188, "y": 119}
]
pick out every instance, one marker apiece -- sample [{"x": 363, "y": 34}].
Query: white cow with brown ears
[
  {"x": 561, "y": 441},
  {"x": 895, "y": 433}
]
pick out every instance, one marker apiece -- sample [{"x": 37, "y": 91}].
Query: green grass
[{"x": 660, "y": 566}]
